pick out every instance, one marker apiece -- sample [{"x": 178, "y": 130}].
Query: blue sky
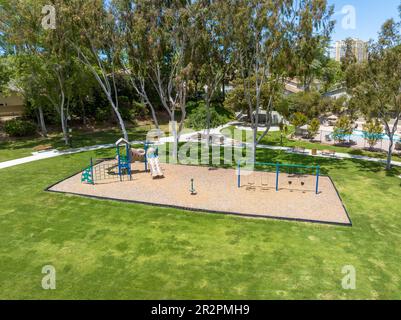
[{"x": 370, "y": 15}]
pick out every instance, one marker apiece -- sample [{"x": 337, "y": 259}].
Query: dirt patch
[{"x": 217, "y": 191}]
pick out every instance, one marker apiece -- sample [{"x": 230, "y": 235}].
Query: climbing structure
[
  {"x": 87, "y": 175},
  {"x": 124, "y": 158}
]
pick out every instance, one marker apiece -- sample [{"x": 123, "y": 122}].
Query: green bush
[
  {"x": 197, "y": 119},
  {"x": 342, "y": 129},
  {"x": 139, "y": 110},
  {"x": 299, "y": 119},
  {"x": 102, "y": 114},
  {"x": 373, "y": 132},
  {"x": 19, "y": 128},
  {"x": 313, "y": 128}
]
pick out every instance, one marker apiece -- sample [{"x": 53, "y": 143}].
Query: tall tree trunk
[
  {"x": 208, "y": 120},
  {"x": 175, "y": 137},
  {"x": 254, "y": 143},
  {"x": 224, "y": 90},
  {"x": 119, "y": 118},
  {"x": 390, "y": 153},
  {"x": 62, "y": 112},
  {"x": 390, "y": 134},
  {"x": 64, "y": 126},
  {"x": 83, "y": 111},
  {"x": 42, "y": 123}
]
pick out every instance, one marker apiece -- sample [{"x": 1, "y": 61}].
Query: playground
[{"x": 289, "y": 192}]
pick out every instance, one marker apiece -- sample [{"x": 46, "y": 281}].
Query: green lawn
[
  {"x": 23, "y": 147},
  {"x": 274, "y": 139},
  {"x": 110, "y": 250}
]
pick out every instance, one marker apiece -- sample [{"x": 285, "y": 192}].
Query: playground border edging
[{"x": 265, "y": 217}]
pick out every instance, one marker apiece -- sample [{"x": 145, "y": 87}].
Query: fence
[
  {"x": 356, "y": 139},
  {"x": 103, "y": 170}
]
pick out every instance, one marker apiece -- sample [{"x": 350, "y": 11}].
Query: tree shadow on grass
[{"x": 78, "y": 139}]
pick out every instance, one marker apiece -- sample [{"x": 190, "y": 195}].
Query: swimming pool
[{"x": 360, "y": 134}]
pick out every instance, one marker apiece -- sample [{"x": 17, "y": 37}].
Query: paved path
[
  {"x": 184, "y": 138},
  {"x": 338, "y": 156}
]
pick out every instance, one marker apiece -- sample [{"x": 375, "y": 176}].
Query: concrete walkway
[
  {"x": 184, "y": 138},
  {"x": 338, "y": 156}
]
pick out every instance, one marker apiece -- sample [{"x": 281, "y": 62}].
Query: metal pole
[
  {"x": 146, "y": 157},
  {"x": 119, "y": 163},
  {"x": 317, "y": 179},
  {"x": 93, "y": 177},
  {"x": 239, "y": 174},
  {"x": 277, "y": 175}
]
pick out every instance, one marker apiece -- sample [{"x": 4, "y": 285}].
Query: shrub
[
  {"x": 373, "y": 132},
  {"x": 197, "y": 119},
  {"x": 313, "y": 128},
  {"x": 19, "y": 128},
  {"x": 102, "y": 114},
  {"x": 139, "y": 110},
  {"x": 299, "y": 119},
  {"x": 342, "y": 128}
]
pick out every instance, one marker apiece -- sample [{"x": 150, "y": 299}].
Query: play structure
[
  {"x": 120, "y": 167},
  {"x": 292, "y": 177},
  {"x": 152, "y": 160}
]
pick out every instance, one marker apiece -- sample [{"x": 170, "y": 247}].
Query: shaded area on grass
[{"x": 109, "y": 250}]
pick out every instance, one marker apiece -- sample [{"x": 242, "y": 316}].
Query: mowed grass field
[{"x": 113, "y": 250}]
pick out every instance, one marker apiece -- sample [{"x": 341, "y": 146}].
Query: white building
[{"x": 360, "y": 49}]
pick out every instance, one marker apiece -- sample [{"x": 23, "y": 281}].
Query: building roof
[{"x": 122, "y": 141}]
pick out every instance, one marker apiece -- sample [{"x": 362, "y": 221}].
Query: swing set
[{"x": 279, "y": 176}]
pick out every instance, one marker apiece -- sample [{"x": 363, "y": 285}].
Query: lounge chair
[
  {"x": 331, "y": 153},
  {"x": 298, "y": 150}
]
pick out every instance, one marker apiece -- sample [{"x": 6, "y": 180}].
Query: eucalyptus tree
[
  {"x": 136, "y": 50},
  {"x": 312, "y": 40},
  {"x": 267, "y": 35},
  {"x": 349, "y": 57},
  {"x": 94, "y": 34},
  {"x": 159, "y": 47},
  {"x": 47, "y": 49},
  {"x": 214, "y": 35},
  {"x": 376, "y": 84}
]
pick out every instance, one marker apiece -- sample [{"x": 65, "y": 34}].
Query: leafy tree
[
  {"x": 342, "y": 128},
  {"x": 299, "y": 119},
  {"x": 332, "y": 75},
  {"x": 349, "y": 57},
  {"x": 166, "y": 38},
  {"x": 199, "y": 118},
  {"x": 267, "y": 35},
  {"x": 236, "y": 100},
  {"x": 376, "y": 83},
  {"x": 212, "y": 59},
  {"x": 96, "y": 38},
  {"x": 20, "y": 30},
  {"x": 313, "y": 128},
  {"x": 136, "y": 23},
  {"x": 313, "y": 37},
  {"x": 44, "y": 58},
  {"x": 373, "y": 132},
  {"x": 309, "y": 103},
  {"x": 5, "y": 72}
]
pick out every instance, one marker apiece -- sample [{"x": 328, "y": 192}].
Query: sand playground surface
[{"x": 217, "y": 191}]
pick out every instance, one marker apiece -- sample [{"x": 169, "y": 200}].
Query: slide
[{"x": 155, "y": 170}]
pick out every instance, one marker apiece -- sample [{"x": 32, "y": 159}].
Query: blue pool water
[{"x": 359, "y": 134}]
